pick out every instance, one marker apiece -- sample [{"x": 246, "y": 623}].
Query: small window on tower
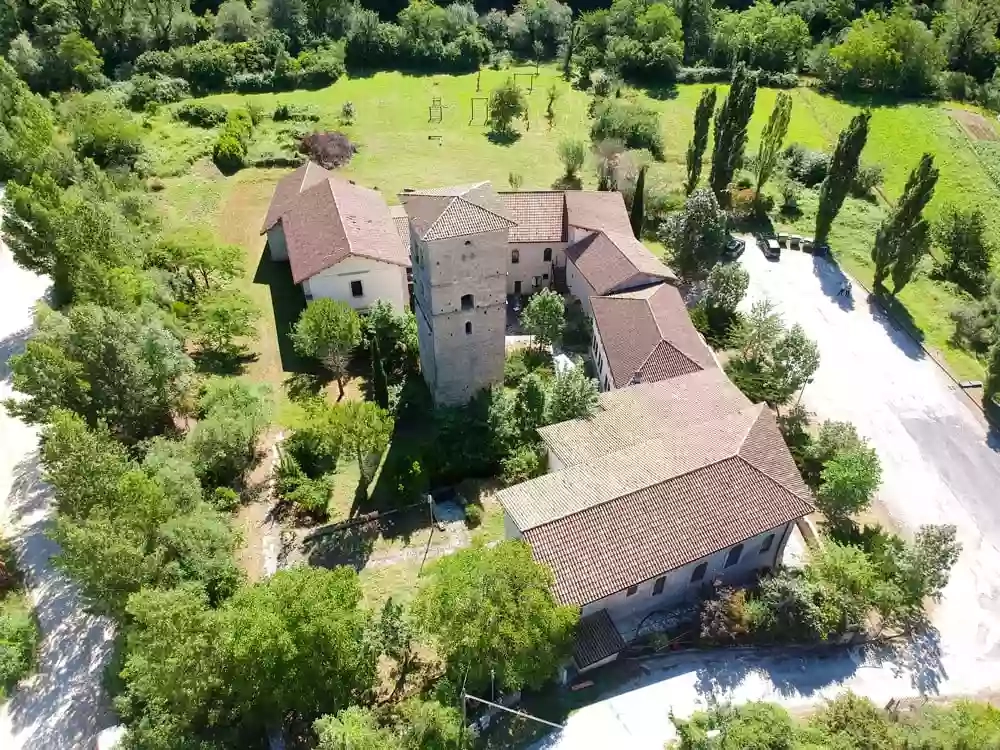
[
  {"x": 356, "y": 289},
  {"x": 468, "y": 242},
  {"x": 515, "y": 256},
  {"x": 468, "y": 326},
  {"x": 547, "y": 255},
  {"x": 467, "y": 302}
]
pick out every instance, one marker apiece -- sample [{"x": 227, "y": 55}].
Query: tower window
[
  {"x": 467, "y": 302},
  {"x": 468, "y": 242},
  {"x": 547, "y": 254},
  {"x": 468, "y": 326},
  {"x": 515, "y": 256},
  {"x": 356, "y": 289}
]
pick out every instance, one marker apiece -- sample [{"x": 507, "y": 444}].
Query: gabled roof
[
  {"x": 442, "y": 213},
  {"x": 648, "y": 336},
  {"x": 287, "y": 191},
  {"x": 540, "y": 215},
  {"x": 597, "y": 211},
  {"x": 664, "y": 479},
  {"x": 402, "y": 223},
  {"x": 335, "y": 219},
  {"x": 610, "y": 261}
]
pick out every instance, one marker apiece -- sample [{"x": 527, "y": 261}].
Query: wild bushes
[
  {"x": 230, "y": 150},
  {"x": 635, "y": 126}
]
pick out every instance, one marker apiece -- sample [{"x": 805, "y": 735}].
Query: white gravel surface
[
  {"x": 940, "y": 466},
  {"x": 62, "y": 706}
]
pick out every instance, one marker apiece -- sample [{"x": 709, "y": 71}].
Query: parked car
[
  {"x": 734, "y": 248},
  {"x": 770, "y": 247}
]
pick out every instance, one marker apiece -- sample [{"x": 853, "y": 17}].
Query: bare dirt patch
[{"x": 977, "y": 127}]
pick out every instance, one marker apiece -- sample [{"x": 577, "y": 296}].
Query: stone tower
[{"x": 458, "y": 244}]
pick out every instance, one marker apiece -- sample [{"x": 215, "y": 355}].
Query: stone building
[{"x": 458, "y": 246}]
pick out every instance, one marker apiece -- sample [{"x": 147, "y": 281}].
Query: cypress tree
[
  {"x": 904, "y": 238},
  {"x": 380, "y": 386},
  {"x": 696, "y": 149},
  {"x": 843, "y": 168},
  {"x": 636, "y": 215},
  {"x": 772, "y": 138},
  {"x": 731, "y": 129}
]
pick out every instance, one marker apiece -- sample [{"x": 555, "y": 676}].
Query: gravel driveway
[
  {"x": 940, "y": 466},
  {"x": 61, "y": 707}
]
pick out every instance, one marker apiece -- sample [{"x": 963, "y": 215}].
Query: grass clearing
[{"x": 399, "y": 147}]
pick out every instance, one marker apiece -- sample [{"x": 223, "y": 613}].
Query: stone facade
[{"x": 460, "y": 302}]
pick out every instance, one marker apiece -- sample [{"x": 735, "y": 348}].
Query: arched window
[
  {"x": 467, "y": 302},
  {"x": 515, "y": 256},
  {"x": 734, "y": 555},
  {"x": 699, "y": 572},
  {"x": 468, "y": 242},
  {"x": 468, "y": 327},
  {"x": 547, "y": 254},
  {"x": 767, "y": 543}
]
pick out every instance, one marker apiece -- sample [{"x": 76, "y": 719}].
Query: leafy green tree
[
  {"x": 222, "y": 317},
  {"x": 637, "y": 211},
  {"x": 380, "y": 387},
  {"x": 328, "y": 330},
  {"x": 544, "y": 317},
  {"x": 197, "y": 262},
  {"x": 762, "y": 726},
  {"x": 964, "y": 241},
  {"x": 904, "y": 238},
  {"x": 76, "y": 63},
  {"x": 27, "y": 129},
  {"x": 992, "y": 383},
  {"x": 848, "y": 483},
  {"x": 926, "y": 563},
  {"x": 234, "y": 22},
  {"x": 572, "y": 154},
  {"x": 367, "y": 430},
  {"x": 696, "y": 235},
  {"x": 727, "y": 285},
  {"x": 529, "y": 405},
  {"x": 524, "y": 462},
  {"x": 764, "y": 36},
  {"x": 731, "y": 123},
  {"x": 396, "y": 333},
  {"x": 696, "y": 18},
  {"x": 772, "y": 138},
  {"x": 506, "y": 104},
  {"x": 429, "y": 725},
  {"x": 772, "y": 363},
  {"x": 125, "y": 369},
  {"x": 843, "y": 168},
  {"x": 699, "y": 141},
  {"x": 851, "y": 721},
  {"x": 571, "y": 395},
  {"x": 493, "y": 609},
  {"x": 233, "y": 414},
  {"x": 355, "y": 728},
  {"x": 964, "y": 28}
]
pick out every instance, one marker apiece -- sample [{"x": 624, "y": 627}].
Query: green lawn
[{"x": 399, "y": 148}]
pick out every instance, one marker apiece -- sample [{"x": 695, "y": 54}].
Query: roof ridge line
[
  {"x": 672, "y": 346},
  {"x": 774, "y": 481},
  {"x": 484, "y": 208},
  {"x": 451, "y": 199}
]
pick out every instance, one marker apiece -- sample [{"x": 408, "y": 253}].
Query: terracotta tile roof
[
  {"x": 287, "y": 191},
  {"x": 631, "y": 415},
  {"x": 441, "y": 213},
  {"x": 335, "y": 219},
  {"x": 597, "y": 211},
  {"x": 540, "y": 215},
  {"x": 648, "y": 336},
  {"x": 662, "y": 475},
  {"x": 642, "y": 534},
  {"x": 596, "y": 638},
  {"x": 615, "y": 261},
  {"x": 402, "y": 223}
]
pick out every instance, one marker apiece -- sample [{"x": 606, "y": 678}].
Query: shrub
[
  {"x": 524, "y": 463},
  {"x": 284, "y": 112},
  {"x": 18, "y": 641},
  {"x": 155, "y": 89},
  {"x": 201, "y": 115},
  {"x": 229, "y": 153},
  {"x": 725, "y": 75},
  {"x": 347, "y": 113},
  {"x": 806, "y": 166},
  {"x": 310, "y": 497},
  {"x": 251, "y": 83},
  {"x": 637, "y": 127},
  {"x": 321, "y": 67},
  {"x": 867, "y": 178},
  {"x": 330, "y": 149},
  {"x": 572, "y": 153},
  {"x": 473, "y": 515},
  {"x": 225, "y": 499}
]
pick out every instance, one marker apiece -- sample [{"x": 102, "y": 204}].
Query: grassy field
[{"x": 399, "y": 148}]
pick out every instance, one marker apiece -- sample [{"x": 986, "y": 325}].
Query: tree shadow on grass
[
  {"x": 352, "y": 546},
  {"x": 287, "y": 303},
  {"x": 223, "y": 363},
  {"x": 661, "y": 93},
  {"x": 503, "y": 139}
]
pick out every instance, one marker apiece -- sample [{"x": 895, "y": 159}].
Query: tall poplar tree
[
  {"x": 843, "y": 168},
  {"x": 772, "y": 138},
  {"x": 637, "y": 214},
  {"x": 731, "y": 128},
  {"x": 696, "y": 149},
  {"x": 904, "y": 238}
]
